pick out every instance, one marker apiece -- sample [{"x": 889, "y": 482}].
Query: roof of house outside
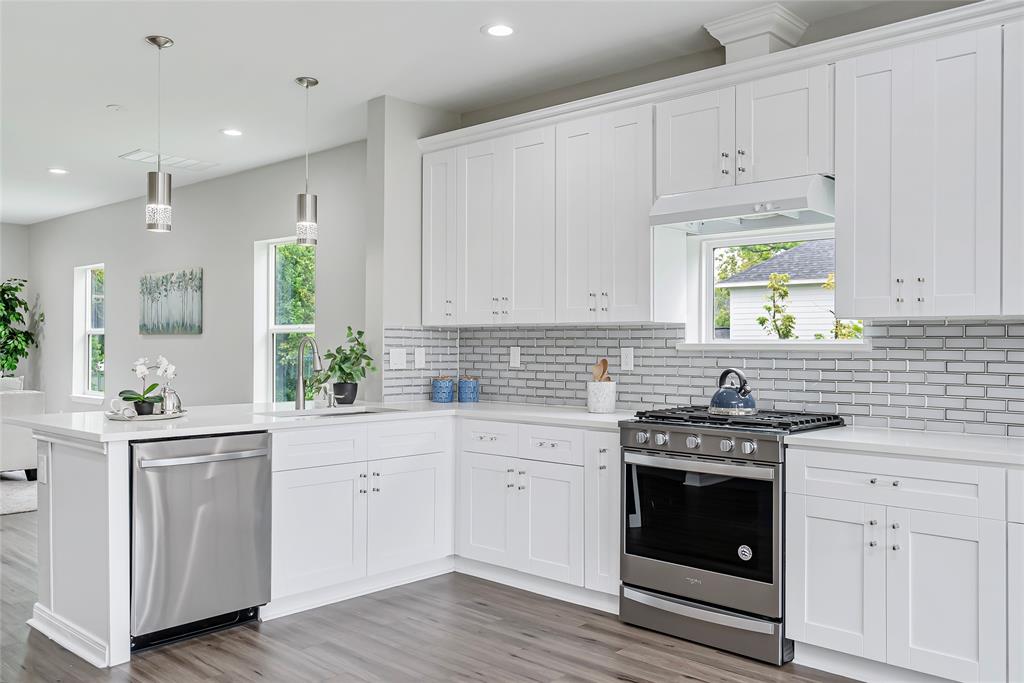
[{"x": 812, "y": 260}]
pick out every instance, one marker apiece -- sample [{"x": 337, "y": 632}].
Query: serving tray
[{"x": 118, "y": 417}]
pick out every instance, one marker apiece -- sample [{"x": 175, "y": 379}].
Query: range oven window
[{"x": 712, "y": 522}]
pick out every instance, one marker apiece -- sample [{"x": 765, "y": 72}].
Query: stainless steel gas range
[{"x": 702, "y": 526}]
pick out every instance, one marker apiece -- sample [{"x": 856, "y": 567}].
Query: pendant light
[
  {"x": 306, "y": 230},
  {"x": 158, "y": 195}
]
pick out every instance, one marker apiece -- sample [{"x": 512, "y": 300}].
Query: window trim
[
  {"x": 82, "y": 330},
  {"x": 700, "y": 322}
]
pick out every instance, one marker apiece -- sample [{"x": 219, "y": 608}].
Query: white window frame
[
  {"x": 701, "y": 274},
  {"x": 82, "y": 330},
  {"x": 264, "y": 327}
]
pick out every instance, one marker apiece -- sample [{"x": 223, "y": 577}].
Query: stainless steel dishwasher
[{"x": 200, "y": 534}]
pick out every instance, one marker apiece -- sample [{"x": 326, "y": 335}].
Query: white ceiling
[{"x": 233, "y": 63}]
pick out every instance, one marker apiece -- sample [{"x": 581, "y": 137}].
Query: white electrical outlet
[
  {"x": 420, "y": 357},
  {"x": 396, "y": 359},
  {"x": 626, "y": 361},
  {"x": 513, "y": 357}
]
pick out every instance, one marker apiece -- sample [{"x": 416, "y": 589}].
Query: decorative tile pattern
[
  {"x": 442, "y": 356},
  {"x": 956, "y": 377}
]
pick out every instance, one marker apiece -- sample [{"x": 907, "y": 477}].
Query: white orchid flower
[
  {"x": 141, "y": 371},
  {"x": 141, "y": 361},
  {"x": 162, "y": 362},
  {"x": 170, "y": 371}
]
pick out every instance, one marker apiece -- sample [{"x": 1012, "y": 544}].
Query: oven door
[{"x": 705, "y": 530}]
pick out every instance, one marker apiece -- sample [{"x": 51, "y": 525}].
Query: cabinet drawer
[
  {"x": 297, "y": 448},
  {"x": 496, "y": 438},
  {"x": 413, "y": 437},
  {"x": 1015, "y": 495},
  {"x": 551, "y": 444},
  {"x": 953, "y": 488}
]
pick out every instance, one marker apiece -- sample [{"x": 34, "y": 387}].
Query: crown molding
[
  {"x": 773, "y": 19},
  {"x": 977, "y": 15}
]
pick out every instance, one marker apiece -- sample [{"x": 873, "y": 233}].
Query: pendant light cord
[
  {"x": 307, "y": 138},
  {"x": 159, "y": 50}
]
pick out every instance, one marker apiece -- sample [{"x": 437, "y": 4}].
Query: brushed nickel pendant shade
[
  {"x": 158, "y": 190},
  {"x": 306, "y": 228}
]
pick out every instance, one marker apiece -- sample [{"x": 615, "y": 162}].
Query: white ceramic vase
[{"x": 601, "y": 397}]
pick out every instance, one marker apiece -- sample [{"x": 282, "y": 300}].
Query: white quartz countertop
[
  {"x": 222, "y": 419},
  {"x": 905, "y": 442}
]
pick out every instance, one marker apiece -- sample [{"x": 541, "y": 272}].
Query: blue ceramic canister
[
  {"x": 469, "y": 390},
  {"x": 442, "y": 390}
]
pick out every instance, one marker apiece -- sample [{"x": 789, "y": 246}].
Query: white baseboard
[
  {"x": 857, "y": 667},
  {"x": 69, "y": 636},
  {"x": 301, "y": 602},
  {"x": 535, "y": 584}
]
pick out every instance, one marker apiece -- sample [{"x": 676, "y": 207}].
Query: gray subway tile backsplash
[{"x": 960, "y": 377}]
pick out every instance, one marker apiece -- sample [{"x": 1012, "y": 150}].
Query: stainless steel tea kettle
[{"x": 730, "y": 400}]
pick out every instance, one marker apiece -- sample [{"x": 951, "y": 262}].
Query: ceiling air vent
[{"x": 146, "y": 156}]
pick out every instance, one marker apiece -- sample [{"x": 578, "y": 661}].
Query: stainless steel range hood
[{"x": 789, "y": 202}]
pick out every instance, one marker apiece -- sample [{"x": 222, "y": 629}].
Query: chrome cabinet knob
[
  {"x": 896, "y": 546},
  {"x": 726, "y": 445},
  {"x": 661, "y": 439},
  {"x": 725, "y": 171},
  {"x": 748, "y": 447},
  {"x": 895, "y": 525},
  {"x": 602, "y": 467},
  {"x": 872, "y": 543},
  {"x": 873, "y": 522},
  {"x": 896, "y": 483},
  {"x": 873, "y": 480},
  {"x": 642, "y": 438},
  {"x": 693, "y": 442}
]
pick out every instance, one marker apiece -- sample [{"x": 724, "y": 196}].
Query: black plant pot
[
  {"x": 144, "y": 407},
  {"x": 345, "y": 392}
]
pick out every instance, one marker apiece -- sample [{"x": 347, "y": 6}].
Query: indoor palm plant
[
  {"x": 17, "y": 335},
  {"x": 348, "y": 366}
]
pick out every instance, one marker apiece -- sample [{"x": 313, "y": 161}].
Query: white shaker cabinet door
[
  {"x": 319, "y": 527},
  {"x": 578, "y": 220},
  {"x": 873, "y": 114},
  {"x": 409, "y": 514},
  {"x": 486, "y": 491},
  {"x": 602, "y": 507},
  {"x": 696, "y": 142},
  {"x": 784, "y": 125},
  {"x": 548, "y": 520},
  {"x": 957, "y": 150},
  {"x": 946, "y": 594},
  {"x": 439, "y": 229},
  {"x": 835, "y": 575},
  {"x": 525, "y": 262},
  {"x": 479, "y": 235},
  {"x": 626, "y": 197},
  {"x": 1015, "y": 602},
  {"x": 1013, "y": 170}
]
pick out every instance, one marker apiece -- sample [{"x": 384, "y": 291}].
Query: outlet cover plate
[
  {"x": 513, "y": 357},
  {"x": 396, "y": 359},
  {"x": 626, "y": 362},
  {"x": 420, "y": 358}
]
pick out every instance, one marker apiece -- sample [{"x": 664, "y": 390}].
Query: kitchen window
[
  {"x": 769, "y": 288},
  {"x": 89, "y": 356},
  {"x": 284, "y": 314}
]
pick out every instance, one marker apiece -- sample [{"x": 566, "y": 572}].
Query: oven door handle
[
  {"x": 685, "y": 610},
  {"x": 686, "y": 465}
]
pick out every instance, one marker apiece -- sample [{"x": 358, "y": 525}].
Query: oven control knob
[
  {"x": 660, "y": 439},
  {"x": 748, "y": 447},
  {"x": 642, "y": 438},
  {"x": 725, "y": 445},
  {"x": 693, "y": 442}
]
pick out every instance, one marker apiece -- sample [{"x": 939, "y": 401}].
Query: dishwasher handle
[{"x": 203, "y": 459}]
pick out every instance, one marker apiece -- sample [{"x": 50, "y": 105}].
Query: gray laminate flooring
[{"x": 452, "y": 627}]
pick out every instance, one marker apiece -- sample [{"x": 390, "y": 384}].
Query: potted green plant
[
  {"x": 146, "y": 400},
  {"x": 15, "y": 341},
  {"x": 348, "y": 366}
]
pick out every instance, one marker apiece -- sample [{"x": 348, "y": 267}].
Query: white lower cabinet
[
  {"x": 602, "y": 510},
  {"x": 1015, "y": 600},
  {"x": 917, "y": 589},
  {"x": 318, "y": 528},
  {"x": 522, "y": 514},
  {"x": 409, "y": 516}
]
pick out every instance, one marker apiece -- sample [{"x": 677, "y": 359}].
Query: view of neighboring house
[{"x": 808, "y": 266}]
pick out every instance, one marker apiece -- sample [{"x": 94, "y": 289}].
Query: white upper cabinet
[
  {"x": 1013, "y": 171},
  {"x": 439, "y": 254},
  {"x": 918, "y": 166},
  {"x": 784, "y": 125},
  {"x": 479, "y": 238},
  {"x": 525, "y": 264},
  {"x": 776, "y": 127},
  {"x": 603, "y": 233},
  {"x": 697, "y": 142}
]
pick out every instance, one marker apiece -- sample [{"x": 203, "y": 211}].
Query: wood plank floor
[{"x": 452, "y": 627}]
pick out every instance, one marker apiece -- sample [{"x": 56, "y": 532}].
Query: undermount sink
[{"x": 340, "y": 411}]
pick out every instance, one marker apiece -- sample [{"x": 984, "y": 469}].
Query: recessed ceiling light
[
  {"x": 113, "y": 107},
  {"x": 233, "y": 132},
  {"x": 58, "y": 171},
  {"x": 498, "y": 30}
]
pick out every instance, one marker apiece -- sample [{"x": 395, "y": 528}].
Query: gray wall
[{"x": 215, "y": 225}]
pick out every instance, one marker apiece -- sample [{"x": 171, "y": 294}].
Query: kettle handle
[{"x": 744, "y": 388}]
